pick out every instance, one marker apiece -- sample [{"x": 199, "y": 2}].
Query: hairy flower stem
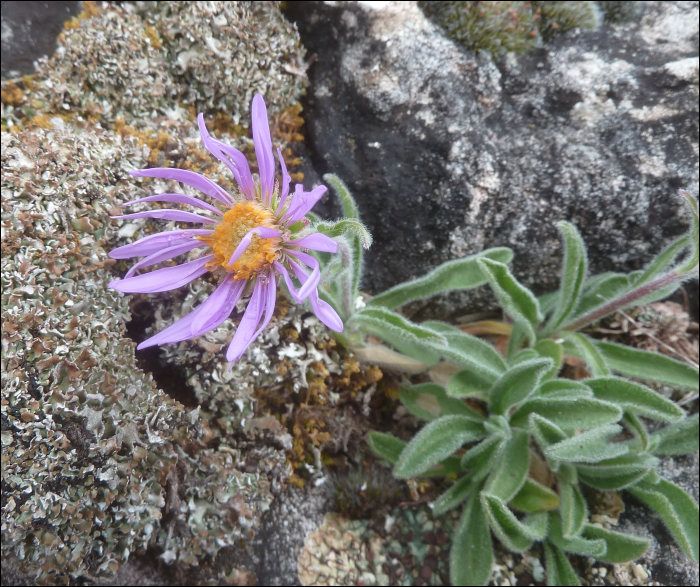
[{"x": 630, "y": 297}]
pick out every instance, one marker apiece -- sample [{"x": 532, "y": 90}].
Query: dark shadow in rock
[{"x": 170, "y": 378}]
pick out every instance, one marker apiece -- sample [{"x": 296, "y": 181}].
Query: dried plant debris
[{"x": 139, "y": 61}]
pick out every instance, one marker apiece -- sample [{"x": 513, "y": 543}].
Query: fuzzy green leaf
[
  {"x": 480, "y": 459},
  {"x": 635, "y": 398},
  {"x": 522, "y": 356},
  {"x": 343, "y": 194},
  {"x": 534, "y": 497},
  {"x": 676, "y": 508},
  {"x": 567, "y": 473},
  {"x": 603, "y": 290},
  {"x": 691, "y": 264},
  {"x": 646, "y": 365},
  {"x": 560, "y": 573},
  {"x": 435, "y": 442},
  {"x": 406, "y": 336},
  {"x": 450, "y": 466},
  {"x": 568, "y": 413},
  {"x": 635, "y": 425},
  {"x": 616, "y": 473},
  {"x": 563, "y": 388},
  {"x": 515, "y": 342},
  {"x": 429, "y": 401},
  {"x": 516, "y": 536},
  {"x": 585, "y": 349},
  {"x": 471, "y": 557},
  {"x": 548, "y": 301},
  {"x": 466, "y": 344},
  {"x": 516, "y": 384},
  {"x": 590, "y": 446},
  {"x": 457, "y": 274},
  {"x": 455, "y": 495},
  {"x": 546, "y": 433},
  {"x": 573, "y": 510},
  {"x": 553, "y": 350},
  {"x": 663, "y": 261},
  {"x": 386, "y": 446},
  {"x": 621, "y": 548},
  {"x": 573, "y": 274},
  {"x": 509, "y": 474},
  {"x": 575, "y": 545},
  {"x": 516, "y": 300},
  {"x": 678, "y": 439},
  {"x": 468, "y": 382}
]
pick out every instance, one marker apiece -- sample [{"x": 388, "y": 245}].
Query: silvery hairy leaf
[
  {"x": 452, "y": 275},
  {"x": 590, "y": 446},
  {"x": 516, "y": 384},
  {"x": 515, "y": 535},
  {"x": 429, "y": 401},
  {"x": 568, "y": 413},
  {"x": 677, "y": 439},
  {"x": 435, "y": 442},
  {"x": 471, "y": 556},
  {"x": 510, "y": 472},
  {"x": 515, "y": 299},
  {"x": 635, "y": 398}
]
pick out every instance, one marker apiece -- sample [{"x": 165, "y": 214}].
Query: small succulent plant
[{"x": 521, "y": 419}]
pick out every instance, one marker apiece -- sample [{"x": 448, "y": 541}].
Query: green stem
[{"x": 626, "y": 299}]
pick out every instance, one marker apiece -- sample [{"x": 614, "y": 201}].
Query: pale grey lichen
[{"x": 146, "y": 60}]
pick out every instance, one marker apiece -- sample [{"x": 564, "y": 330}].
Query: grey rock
[
  {"x": 29, "y": 31},
  {"x": 449, "y": 153}
]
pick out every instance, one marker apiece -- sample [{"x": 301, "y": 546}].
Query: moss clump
[{"x": 498, "y": 27}]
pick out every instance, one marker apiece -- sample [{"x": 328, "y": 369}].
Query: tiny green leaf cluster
[{"x": 589, "y": 432}]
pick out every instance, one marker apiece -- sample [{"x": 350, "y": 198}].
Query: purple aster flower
[{"x": 250, "y": 239}]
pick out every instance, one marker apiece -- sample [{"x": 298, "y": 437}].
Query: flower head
[{"x": 249, "y": 240}]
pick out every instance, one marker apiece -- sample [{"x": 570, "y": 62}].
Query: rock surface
[{"x": 449, "y": 153}]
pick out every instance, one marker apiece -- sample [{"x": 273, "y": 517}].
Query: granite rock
[{"x": 449, "y": 152}]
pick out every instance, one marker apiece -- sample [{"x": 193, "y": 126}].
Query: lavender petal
[
  {"x": 315, "y": 276},
  {"x": 324, "y": 311},
  {"x": 178, "y": 199},
  {"x": 177, "y": 215},
  {"x": 165, "y": 254},
  {"x": 199, "y": 182},
  {"x": 156, "y": 242},
  {"x": 246, "y": 329},
  {"x": 302, "y": 203},
  {"x": 316, "y": 242},
  {"x": 263, "y": 148},
  {"x": 282, "y": 270},
  {"x": 163, "y": 279},
  {"x": 286, "y": 179},
  {"x": 212, "y": 312},
  {"x": 270, "y": 295},
  {"x": 261, "y": 231},
  {"x": 232, "y": 158}
]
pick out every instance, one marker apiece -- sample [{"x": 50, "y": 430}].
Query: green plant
[{"x": 589, "y": 432}]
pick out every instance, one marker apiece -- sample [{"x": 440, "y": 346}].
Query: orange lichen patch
[
  {"x": 11, "y": 94},
  {"x": 90, "y": 9},
  {"x": 152, "y": 35},
  {"x": 237, "y": 222}
]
